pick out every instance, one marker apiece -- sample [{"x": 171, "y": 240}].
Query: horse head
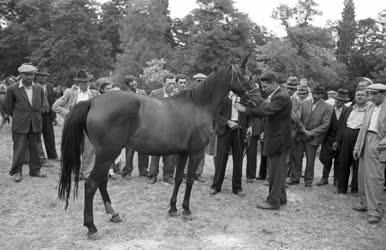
[{"x": 242, "y": 83}]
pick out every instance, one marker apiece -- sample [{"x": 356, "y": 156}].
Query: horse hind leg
[
  {"x": 98, "y": 179},
  {"x": 181, "y": 162},
  {"x": 194, "y": 160},
  {"x": 115, "y": 217}
]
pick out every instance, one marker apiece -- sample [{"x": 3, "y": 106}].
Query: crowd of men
[{"x": 288, "y": 121}]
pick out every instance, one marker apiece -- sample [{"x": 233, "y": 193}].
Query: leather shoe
[
  {"x": 291, "y": 182},
  {"x": 308, "y": 185},
  {"x": 17, "y": 177},
  {"x": 283, "y": 203},
  {"x": 374, "y": 220},
  {"x": 214, "y": 191},
  {"x": 38, "y": 175},
  {"x": 152, "y": 180},
  {"x": 260, "y": 178},
  {"x": 169, "y": 180},
  {"x": 267, "y": 206},
  {"x": 360, "y": 208},
  {"x": 199, "y": 178},
  {"x": 126, "y": 176},
  {"x": 322, "y": 182},
  {"x": 266, "y": 183}
]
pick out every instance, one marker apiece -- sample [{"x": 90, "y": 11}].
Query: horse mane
[{"x": 203, "y": 93}]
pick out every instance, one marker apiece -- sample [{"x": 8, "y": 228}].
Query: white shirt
[
  {"x": 234, "y": 112},
  {"x": 83, "y": 96},
  {"x": 374, "y": 119},
  {"x": 165, "y": 94},
  {"x": 28, "y": 91},
  {"x": 270, "y": 96},
  {"x": 355, "y": 119},
  {"x": 331, "y": 101}
]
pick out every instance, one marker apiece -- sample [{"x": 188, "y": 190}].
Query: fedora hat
[
  {"x": 82, "y": 76},
  {"x": 199, "y": 76},
  {"x": 43, "y": 72},
  {"x": 342, "y": 95},
  {"x": 292, "y": 82}
]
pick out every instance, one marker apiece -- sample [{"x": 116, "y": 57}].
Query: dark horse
[{"x": 180, "y": 125}]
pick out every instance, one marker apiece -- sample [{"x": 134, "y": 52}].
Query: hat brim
[
  {"x": 83, "y": 79},
  {"x": 291, "y": 87},
  {"x": 303, "y": 92},
  {"x": 339, "y": 98}
]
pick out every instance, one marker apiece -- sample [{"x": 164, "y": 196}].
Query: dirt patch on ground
[{"x": 33, "y": 218}]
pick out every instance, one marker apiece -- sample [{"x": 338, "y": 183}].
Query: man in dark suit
[
  {"x": 350, "y": 122},
  {"x": 255, "y": 128},
  {"x": 48, "y": 116},
  {"x": 315, "y": 118},
  {"x": 329, "y": 152},
  {"x": 169, "y": 160},
  {"x": 130, "y": 82},
  {"x": 277, "y": 137},
  {"x": 24, "y": 102},
  {"x": 229, "y": 124}
]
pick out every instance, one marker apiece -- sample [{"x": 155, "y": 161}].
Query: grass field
[{"x": 316, "y": 218}]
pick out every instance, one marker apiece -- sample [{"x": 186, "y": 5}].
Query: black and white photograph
[{"x": 192, "y": 124}]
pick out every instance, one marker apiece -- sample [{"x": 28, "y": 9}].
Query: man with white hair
[{"x": 24, "y": 102}]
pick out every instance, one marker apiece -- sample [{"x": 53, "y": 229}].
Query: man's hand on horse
[
  {"x": 232, "y": 124},
  {"x": 239, "y": 107}
]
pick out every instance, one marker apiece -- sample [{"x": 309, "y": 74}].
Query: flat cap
[
  {"x": 268, "y": 76},
  {"x": 101, "y": 82},
  {"x": 376, "y": 87},
  {"x": 26, "y": 68},
  {"x": 199, "y": 76}
]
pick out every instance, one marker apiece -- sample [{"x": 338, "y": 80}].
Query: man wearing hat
[
  {"x": 48, "y": 116},
  {"x": 329, "y": 152},
  {"x": 80, "y": 91},
  {"x": 348, "y": 129},
  {"x": 130, "y": 82},
  {"x": 315, "y": 118},
  {"x": 370, "y": 148},
  {"x": 331, "y": 94},
  {"x": 277, "y": 137},
  {"x": 24, "y": 102},
  {"x": 198, "y": 78}
]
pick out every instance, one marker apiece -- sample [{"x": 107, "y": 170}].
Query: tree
[
  {"x": 346, "y": 32},
  {"x": 73, "y": 42},
  {"x": 146, "y": 34},
  {"x": 212, "y": 35},
  {"x": 152, "y": 76}
]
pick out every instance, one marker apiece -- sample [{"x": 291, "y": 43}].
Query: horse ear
[{"x": 245, "y": 60}]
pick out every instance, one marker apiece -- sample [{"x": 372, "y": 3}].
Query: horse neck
[{"x": 217, "y": 92}]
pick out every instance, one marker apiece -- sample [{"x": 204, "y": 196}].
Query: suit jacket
[
  {"x": 223, "y": 115},
  {"x": 139, "y": 92},
  {"x": 277, "y": 130},
  {"x": 66, "y": 102},
  {"x": 316, "y": 121},
  {"x": 24, "y": 115},
  {"x": 51, "y": 99},
  {"x": 256, "y": 122},
  {"x": 158, "y": 93},
  {"x": 381, "y": 131},
  {"x": 335, "y": 124}
]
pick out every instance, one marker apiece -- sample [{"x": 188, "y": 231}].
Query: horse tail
[{"x": 72, "y": 148}]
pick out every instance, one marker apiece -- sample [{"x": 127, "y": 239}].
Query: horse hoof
[
  {"x": 174, "y": 213},
  {"x": 93, "y": 235},
  {"x": 187, "y": 215},
  {"x": 116, "y": 218}
]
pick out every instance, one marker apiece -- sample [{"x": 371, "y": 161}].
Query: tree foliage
[{"x": 346, "y": 32}]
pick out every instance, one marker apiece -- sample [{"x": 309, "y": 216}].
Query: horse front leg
[
  {"x": 194, "y": 160},
  {"x": 181, "y": 162}
]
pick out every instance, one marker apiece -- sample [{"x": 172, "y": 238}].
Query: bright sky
[{"x": 260, "y": 11}]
